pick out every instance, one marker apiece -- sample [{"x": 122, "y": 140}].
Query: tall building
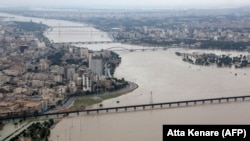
[
  {"x": 70, "y": 73},
  {"x": 96, "y": 65},
  {"x": 86, "y": 82}
]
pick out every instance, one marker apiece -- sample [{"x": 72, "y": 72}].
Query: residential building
[
  {"x": 86, "y": 82},
  {"x": 70, "y": 72},
  {"x": 84, "y": 52},
  {"x": 96, "y": 65}
]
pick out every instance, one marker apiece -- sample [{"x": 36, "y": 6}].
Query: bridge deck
[
  {"x": 68, "y": 26},
  {"x": 143, "y": 106}
]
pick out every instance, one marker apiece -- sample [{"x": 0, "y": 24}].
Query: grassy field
[{"x": 86, "y": 101}]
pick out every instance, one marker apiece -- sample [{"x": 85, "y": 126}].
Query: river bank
[{"x": 84, "y": 101}]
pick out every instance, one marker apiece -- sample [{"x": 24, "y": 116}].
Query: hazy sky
[{"x": 130, "y": 3}]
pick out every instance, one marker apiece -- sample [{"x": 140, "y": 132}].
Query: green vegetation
[
  {"x": 56, "y": 59},
  {"x": 209, "y": 44},
  {"x": 2, "y": 90},
  {"x": 86, "y": 101},
  {"x": 224, "y": 45},
  {"x": 220, "y": 61},
  {"x": 106, "y": 24},
  {"x": 36, "y": 131},
  {"x": 109, "y": 96},
  {"x": 31, "y": 26},
  {"x": 178, "y": 53}
]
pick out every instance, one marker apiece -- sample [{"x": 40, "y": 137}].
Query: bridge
[
  {"x": 68, "y": 26},
  {"x": 135, "y": 107},
  {"x": 117, "y": 48},
  {"x": 88, "y": 42}
]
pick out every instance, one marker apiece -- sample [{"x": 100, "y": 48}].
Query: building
[
  {"x": 37, "y": 83},
  {"x": 32, "y": 107},
  {"x": 96, "y": 65},
  {"x": 75, "y": 76},
  {"x": 248, "y": 57},
  {"x": 44, "y": 105},
  {"x": 86, "y": 82},
  {"x": 1, "y": 81},
  {"x": 44, "y": 64},
  {"x": 79, "y": 81},
  {"x": 58, "y": 78},
  {"x": 72, "y": 87},
  {"x": 84, "y": 52},
  {"x": 70, "y": 73},
  {"x": 106, "y": 53}
]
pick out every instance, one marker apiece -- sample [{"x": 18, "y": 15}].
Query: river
[{"x": 168, "y": 78}]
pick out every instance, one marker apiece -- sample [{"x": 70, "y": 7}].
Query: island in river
[{"x": 206, "y": 59}]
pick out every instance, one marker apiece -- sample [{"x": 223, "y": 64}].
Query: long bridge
[
  {"x": 88, "y": 42},
  {"x": 69, "y": 26},
  {"x": 136, "y": 107},
  {"x": 117, "y": 48}
]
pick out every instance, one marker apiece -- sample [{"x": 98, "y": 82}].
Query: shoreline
[
  {"x": 131, "y": 87},
  {"x": 105, "y": 96}
]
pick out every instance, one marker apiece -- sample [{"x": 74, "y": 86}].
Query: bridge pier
[
  {"x": 186, "y": 103},
  {"x": 227, "y": 99},
  {"x": 78, "y": 113},
  {"x": 143, "y": 107},
  {"x": 107, "y": 110},
  {"x": 87, "y": 112},
  {"x": 243, "y": 98},
  {"x": 161, "y": 105},
  {"x": 235, "y": 99},
  {"x": 125, "y": 109},
  {"x": 203, "y": 102},
  {"x": 97, "y": 111},
  {"x": 219, "y": 100},
  {"x": 178, "y": 104},
  {"x": 134, "y": 108},
  {"x": 116, "y": 110},
  {"x": 169, "y": 105},
  {"x": 152, "y": 106},
  {"x": 194, "y": 102},
  {"x": 211, "y": 101}
]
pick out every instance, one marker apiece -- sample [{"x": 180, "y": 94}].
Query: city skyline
[{"x": 130, "y": 3}]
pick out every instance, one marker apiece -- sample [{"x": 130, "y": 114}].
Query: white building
[
  {"x": 248, "y": 57},
  {"x": 86, "y": 82},
  {"x": 79, "y": 81}
]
